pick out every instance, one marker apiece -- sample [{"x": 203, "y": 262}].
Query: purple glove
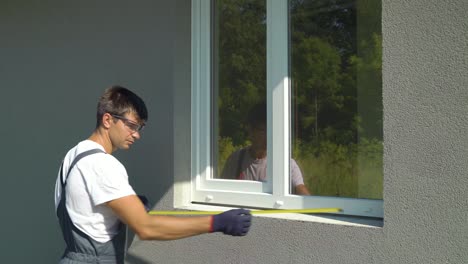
[{"x": 234, "y": 222}]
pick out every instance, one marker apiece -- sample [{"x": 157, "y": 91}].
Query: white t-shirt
[
  {"x": 93, "y": 181},
  {"x": 255, "y": 169}
]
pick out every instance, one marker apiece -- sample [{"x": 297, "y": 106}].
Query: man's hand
[{"x": 234, "y": 222}]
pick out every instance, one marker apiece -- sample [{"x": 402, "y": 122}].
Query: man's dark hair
[
  {"x": 257, "y": 115},
  {"x": 118, "y": 100}
]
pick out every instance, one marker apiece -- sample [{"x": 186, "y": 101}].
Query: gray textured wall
[
  {"x": 425, "y": 76},
  {"x": 56, "y": 58}
]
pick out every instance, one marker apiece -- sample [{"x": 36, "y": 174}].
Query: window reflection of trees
[{"x": 335, "y": 49}]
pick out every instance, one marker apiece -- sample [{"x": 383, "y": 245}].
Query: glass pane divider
[{"x": 277, "y": 96}]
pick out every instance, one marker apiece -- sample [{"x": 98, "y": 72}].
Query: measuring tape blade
[{"x": 278, "y": 211}]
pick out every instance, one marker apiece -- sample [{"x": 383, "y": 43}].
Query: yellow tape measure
[{"x": 277, "y": 211}]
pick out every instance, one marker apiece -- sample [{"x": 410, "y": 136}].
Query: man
[
  {"x": 250, "y": 163},
  {"x": 93, "y": 198}
]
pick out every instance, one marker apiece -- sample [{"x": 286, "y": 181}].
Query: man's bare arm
[
  {"x": 131, "y": 211},
  {"x": 301, "y": 189}
]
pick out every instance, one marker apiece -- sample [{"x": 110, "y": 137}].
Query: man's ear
[{"x": 106, "y": 120}]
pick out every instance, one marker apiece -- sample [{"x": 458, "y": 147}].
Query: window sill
[{"x": 322, "y": 218}]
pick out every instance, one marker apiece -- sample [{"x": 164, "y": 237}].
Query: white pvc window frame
[{"x": 275, "y": 192}]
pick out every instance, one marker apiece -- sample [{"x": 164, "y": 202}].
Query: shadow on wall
[{"x": 132, "y": 259}]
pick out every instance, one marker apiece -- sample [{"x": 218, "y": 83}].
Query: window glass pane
[
  {"x": 336, "y": 65},
  {"x": 239, "y": 89}
]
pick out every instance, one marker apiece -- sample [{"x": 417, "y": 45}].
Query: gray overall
[{"x": 80, "y": 247}]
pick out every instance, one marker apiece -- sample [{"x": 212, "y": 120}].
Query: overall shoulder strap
[{"x": 77, "y": 158}]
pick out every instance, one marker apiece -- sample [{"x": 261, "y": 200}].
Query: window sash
[{"x": 275, "y": 192}]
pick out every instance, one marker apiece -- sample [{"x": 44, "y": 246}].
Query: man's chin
[{"x": 125, "y": 147}]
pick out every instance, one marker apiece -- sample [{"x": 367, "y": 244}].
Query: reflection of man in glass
[{"x": 250, "y": 163}]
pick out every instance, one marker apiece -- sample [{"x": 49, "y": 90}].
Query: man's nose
[{"x": 136, "y": 135}]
